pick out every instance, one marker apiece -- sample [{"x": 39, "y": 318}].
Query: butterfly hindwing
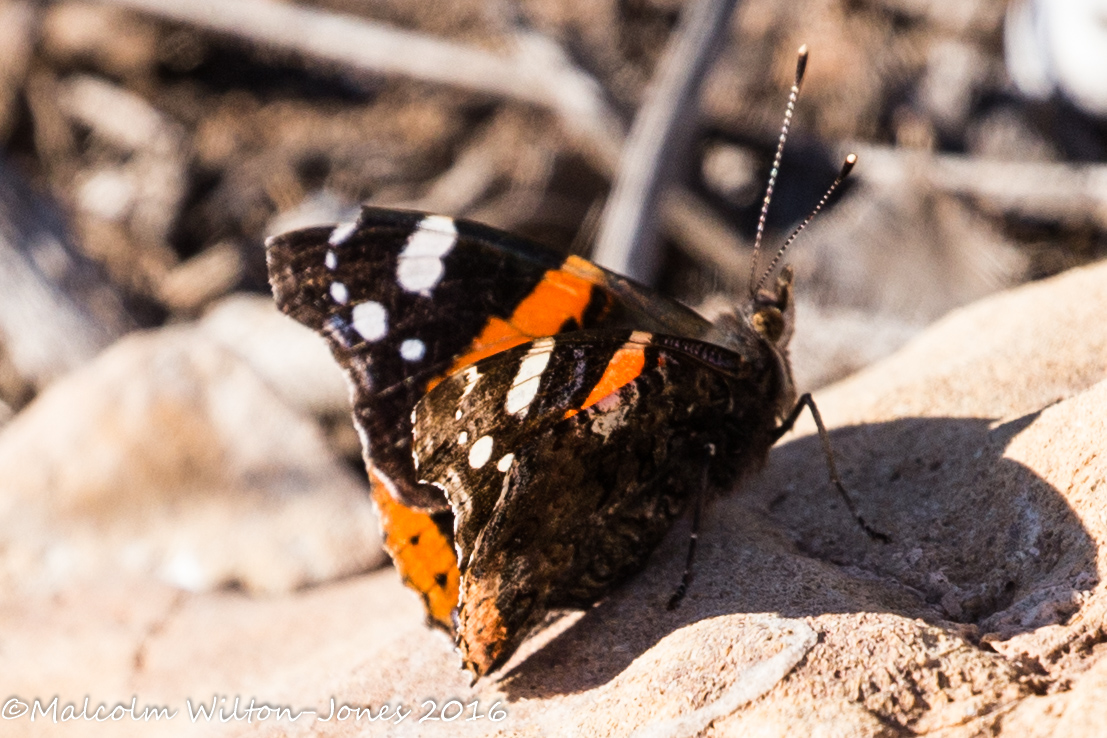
[
  {"x": 487, "y": 409},
  {"x": 566, "y": 460}
]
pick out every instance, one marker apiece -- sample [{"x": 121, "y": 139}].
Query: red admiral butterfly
[{"x": 532, "y": 424}]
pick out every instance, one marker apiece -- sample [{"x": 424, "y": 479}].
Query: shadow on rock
[{"x": 980, "y": 544}]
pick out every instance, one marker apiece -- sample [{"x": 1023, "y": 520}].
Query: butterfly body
[{"x": 532, "y": 423}]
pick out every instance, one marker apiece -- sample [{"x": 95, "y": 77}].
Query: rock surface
[
  {"x": 293, "y": 361},
  {"x": 978, "y": 448},
  {"x": 170, "y": 456}
]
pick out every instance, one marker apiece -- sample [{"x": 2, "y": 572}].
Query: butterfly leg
[
  {"x": 689, "y": 562},
  {"x": 806, "y": 401}
]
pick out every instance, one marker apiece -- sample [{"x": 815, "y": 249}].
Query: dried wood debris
[{"x": 173, "y": 135}]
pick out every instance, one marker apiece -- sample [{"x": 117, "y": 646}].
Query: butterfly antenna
[
  {"x": 801, "y": 66},
  {"x": 847, "y": 165}
]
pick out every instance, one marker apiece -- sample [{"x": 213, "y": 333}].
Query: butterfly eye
[{"x": 769, "y": 322}]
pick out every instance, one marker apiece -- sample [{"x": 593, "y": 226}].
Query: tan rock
[
  {"x": 168, "y": 455},
  {"x": 293, "y": 360},
  {"x": 978, "y": 448}
]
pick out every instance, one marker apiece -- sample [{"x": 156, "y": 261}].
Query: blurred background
[{"x": 159, "y": 418}]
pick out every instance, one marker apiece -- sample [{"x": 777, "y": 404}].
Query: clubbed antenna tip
[
  {"x": 847, "y": 167},
  {"x": 801, "y": 64}
]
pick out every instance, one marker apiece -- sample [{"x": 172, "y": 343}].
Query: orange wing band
[
  {"x": 562, "y": 294},
  {"x": 624, "y": 368},
  {"x": 424, "y": 557}
]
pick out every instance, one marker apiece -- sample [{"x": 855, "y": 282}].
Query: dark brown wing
[
  {"x": 566, "y": 460},
  {"x": 405, "y": 299}
]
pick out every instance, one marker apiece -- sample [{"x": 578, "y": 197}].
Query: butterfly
[{"x": 532, "y": 424}]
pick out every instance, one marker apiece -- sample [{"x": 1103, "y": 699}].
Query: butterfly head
[
  {"x": 770, "y": 315},
  {"x": 759, "y": 329},
  {"x": 771, "y": 311}
]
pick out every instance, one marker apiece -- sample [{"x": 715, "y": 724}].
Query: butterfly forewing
[
  {"x": 394, "y": 295},
  {"x": 405, "y": 299}
]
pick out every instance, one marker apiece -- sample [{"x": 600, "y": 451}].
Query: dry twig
[
  {"x": 627, "y": 240},
  {"x": 157, "y": 148},
  {"x": 17, "y": 33},
  {"x": 1045, "y": 190},
  {"x": 538, "y": 72},
  {"x": 56, "y": 309}
]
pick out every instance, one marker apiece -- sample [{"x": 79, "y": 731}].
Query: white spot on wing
[
  {"x": 452, "y": 480},
  {"x": 420, "y": 274},
  {"x": 525, "y": 385},
  {"x": 439, "y": 223},
  {"x": 610, "y": 413},
  {"x": 420, "y": 266},
  {"x": 457, "y": 414},
  {"x": 505, "y": 462},
  {"x": 331, "y": 260},
  {"x": 341, "y": 232},
  {"x": 480, "y": 452},
  {"x": 339, "y": 293},
  {"x": 412, "y": 349},
  {"x": 472, "y": 374},
  {"x": 607, "y": 423},
  {"x": 370, "y": 320},
  {"x": 462, "y": 438}
]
